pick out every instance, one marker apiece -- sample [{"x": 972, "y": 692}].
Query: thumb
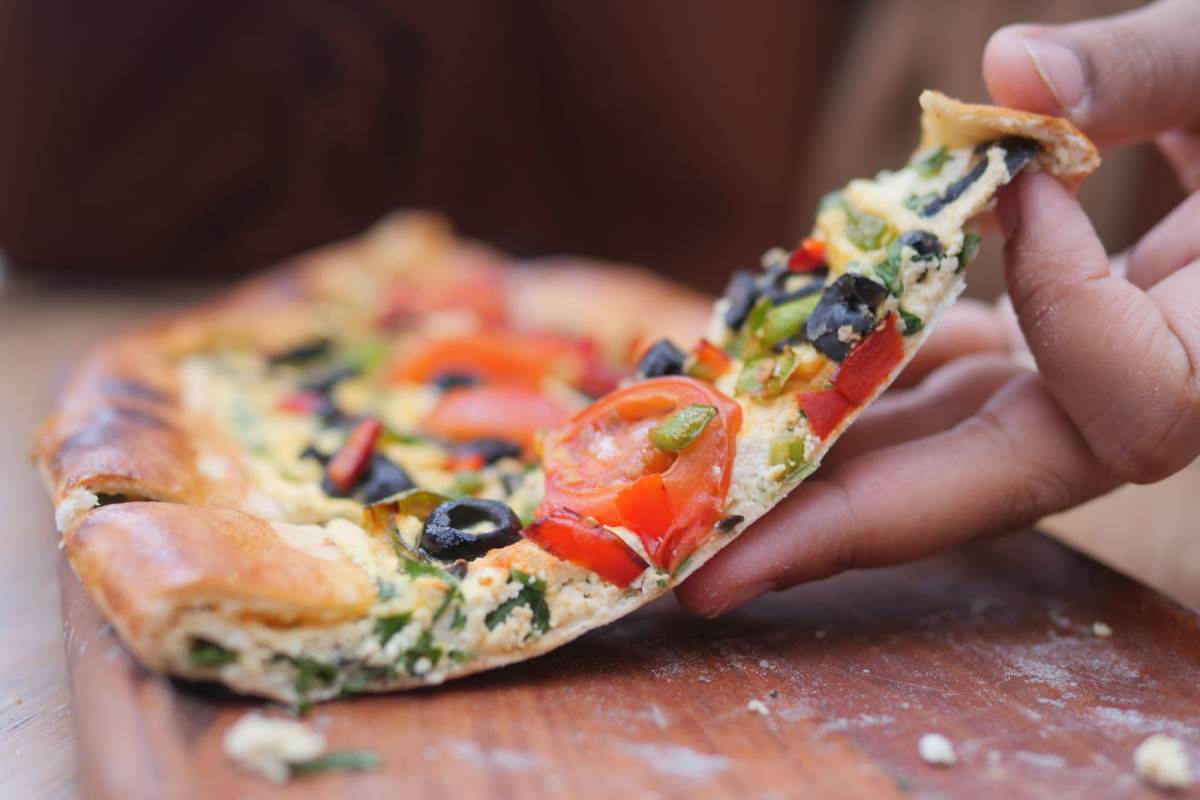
[{"x": 1121, "y": 79}]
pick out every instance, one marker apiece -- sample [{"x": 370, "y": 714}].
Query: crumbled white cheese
[
  {"x": 1162, "y": 761},
  {"x": 758, "y": 707},
  {"x": 1101, "y": 630},
  {"x": 268, "y": 747},
  {"x": 937, "y": 750},
  {"x": 75, "y": 503}
]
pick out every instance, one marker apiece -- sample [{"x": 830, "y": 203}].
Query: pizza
[{"x": 404, "y": 459}]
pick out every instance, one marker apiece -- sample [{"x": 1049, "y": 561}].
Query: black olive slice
[
  {"x": 384, "y": 478},
  {"x": 1017, "y": 153},
  {"x": 955, "y": 190},
  {"x": 663, "y": 358},
  {"x": 454, "y": 380},
  {"x": 850, "y": 301},
  {"x": 742, "y": 293},
  {"x": 783, "y": 286},
  {"x": 312, "y": 452},
  {"x": 303, "y": 353},
  {"x": 325, "y": 378},
  {"x": 924, "y": 243},
  {"x": 446, "y": 537},
  {"x": 492, "y": 450}
]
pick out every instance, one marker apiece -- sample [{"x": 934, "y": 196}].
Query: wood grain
[{"x": 991, "y": 645}]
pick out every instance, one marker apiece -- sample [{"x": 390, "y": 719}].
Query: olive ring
[{"x": 446, "y": 536}]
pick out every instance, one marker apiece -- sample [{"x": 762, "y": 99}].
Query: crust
[
  {"x": 1067, "y": 153},
  {"x": 145, "y": 563}
]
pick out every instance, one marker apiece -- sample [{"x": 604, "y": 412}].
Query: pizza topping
[
  {"x": 204, "y": 653},
  {"x": 789, "y": 452},
  {"x": 573, "y": 538},
  {"x": 468, "y": 528},
  {"x": 488, "y": 450},
  {"x": 741, "y": 294},
  {"x": 931, "y": 163},
  {"x": 681, "y": 428},
  {"x": 663, "y": 358},
  {"x": 350, "y": 462},
  {"x": 729, "y": 523},
  {"x": 445, "y": 381},
  {"x": 809, "y": 255},
  {"x": 786, "y": 322},
  {"x": 493, "y": 356},
  {"x": 303, "y": 353},
  {"x": 1018, "y": 151},
  {"x": 532, "y": 595},
  {"x": 870, "y": 363},
  {"x": 970, "y": 247},
  {"x": 512, "y": 413},
  {"x": 764, "y": 376},
  {"x": 912, "y": 323},
  {"x": 780, "y": 285},
  {"x": 383, "y": 479},
  {"x": 824, "y": 409},
  {"x": 304, "y": 402},
  {"x": 708, "y": 362},
  {"x": 602, "y": 464},
  {"x": 866, "y": 231},
  {"x": 850, "y": 302}
]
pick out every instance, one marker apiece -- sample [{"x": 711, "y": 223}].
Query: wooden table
[{"x": 991, "y": 646}]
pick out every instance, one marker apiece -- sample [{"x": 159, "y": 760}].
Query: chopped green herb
[
  {"x": 467, "y": 482},
  {"x": 970, "y": 247},
  {"x": 682, "y": 568},
  {"x": 532, "y": 595},
  {"x": 930, "y": 164},
  {"x": 916, "y": 202},
  {"x": 417, "y": 569},
  {"x": 680, "y": 429},
  {"x": 758, "y": 314},
  {"x": 459, "y": 620},
  {"x": 912, "y": 323},
  {"x": 105, "y": 499},
  {"x": 207, "y": 654},
  {"x": 452, "y": 594},
  {"x": 458, "y": 656},
  {"x": 889, "y": 270},
  {"x": 424, "y": 648},
  {"x": 663, "y": 581},
  {"x": 309, "y": 673},
  {"x": 350, "y": 760},
  {"x": 366, "y": 355},
  {"x": 764, "y": 376},
  {"x": 384, "y": 590},
  {"x": 785, "y": 321},
  {"x": 387, "y": 627},
  {"x": 867, "y": 231}
]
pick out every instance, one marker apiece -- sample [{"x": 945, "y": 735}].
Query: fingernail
[
  {"x": 1007, "y": 211},
  {"x": 738, "y": 597},
  {"x": 1060, "y": 69}
]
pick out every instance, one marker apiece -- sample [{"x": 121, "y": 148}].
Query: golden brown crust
[
  {"x": 144, "y": 563},
  {"x": 1066, "y": 152}
]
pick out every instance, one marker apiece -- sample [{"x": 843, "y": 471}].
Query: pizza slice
[{"x": 402, "y": 461}]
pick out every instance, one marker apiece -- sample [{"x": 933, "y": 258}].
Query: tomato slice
[
  {"x": 573, "y": 538},
  {"x": 515, "y": 413},
  {"x": 471, "y": 280},
  {"x": 494, "y": 356},
  {"x": 348, "y": 463},
  {"x": 824, "y": 409},
  {"x": 870, "y": 362},
  {"x": 601, "y": 464}
]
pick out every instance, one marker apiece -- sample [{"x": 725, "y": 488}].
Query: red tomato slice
[
  {"x": 495, "y": 356},
  {"x": 870, "y": 362},
  {"x": 824, "y": 409},
  {"x": 515, "y": 413},
  {"x": 601, "y": 464},
  {"x": 573, "y": 538},
  {"x": 348, "y": 463}
]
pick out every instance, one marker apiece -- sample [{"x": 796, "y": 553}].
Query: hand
[{"x": 982, "y": 445}]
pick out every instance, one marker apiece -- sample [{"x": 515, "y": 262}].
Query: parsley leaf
[
  {"x": 930, "y": 164},
  {"x": 424, "y": 648},
  {"x": 970, "y": 247},
  {"x": 889, "y": 270},
  {"x": 912, "y": 323},
  {"x": 207, "y": 654},
  {"x": 532, "y": 595},
  {"x": 387, "y": 627}
]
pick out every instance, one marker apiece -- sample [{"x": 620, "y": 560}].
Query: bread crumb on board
[
  {"x": 758, "y": 707},
  {"x": 269, "y": 747},
  {"x": 937, "y": 750},
  {"x": 1101, "y": 630},
  {"x": 1162, "y": 761}
]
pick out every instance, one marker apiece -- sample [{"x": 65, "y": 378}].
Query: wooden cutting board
[{"x": 992, "y": 646}]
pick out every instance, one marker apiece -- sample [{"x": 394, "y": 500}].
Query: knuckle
[{"x": 1156, "y": 448}]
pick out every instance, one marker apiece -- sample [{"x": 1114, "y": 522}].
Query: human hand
[{"x": 983, "y": 445}]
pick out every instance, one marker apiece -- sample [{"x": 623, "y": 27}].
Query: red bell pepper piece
[
  {"x": 825, "y": 409},
  {"x": 573, "y": 538},
  {"x": 471, "y": 462},
  {"x": 870, "y": 362},
  {"x": 349, "y": 462},
  {"x": 711, "y": 361},
  {"x": 808, "y": 256},
  {"x": 302, "y": 402}
]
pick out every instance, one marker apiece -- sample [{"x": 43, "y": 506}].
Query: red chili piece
[
  {"x": 348, "y": 464},
  {"x": 808, "y": 256},
  {"x": 573, "y": 538},
  {"x": 870, "y": 362},
  {"x": 301, "y": 402},
  {"x": 824, "y": 409}
]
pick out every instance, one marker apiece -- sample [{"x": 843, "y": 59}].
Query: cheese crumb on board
[
  {"x": 269, "y": 747},
  {"x": 1162, "y": 761},
  {"x": 1101, "y": 630},
  {"x": 758, "y": 707},
  {"x": 937, "y": 750}
]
